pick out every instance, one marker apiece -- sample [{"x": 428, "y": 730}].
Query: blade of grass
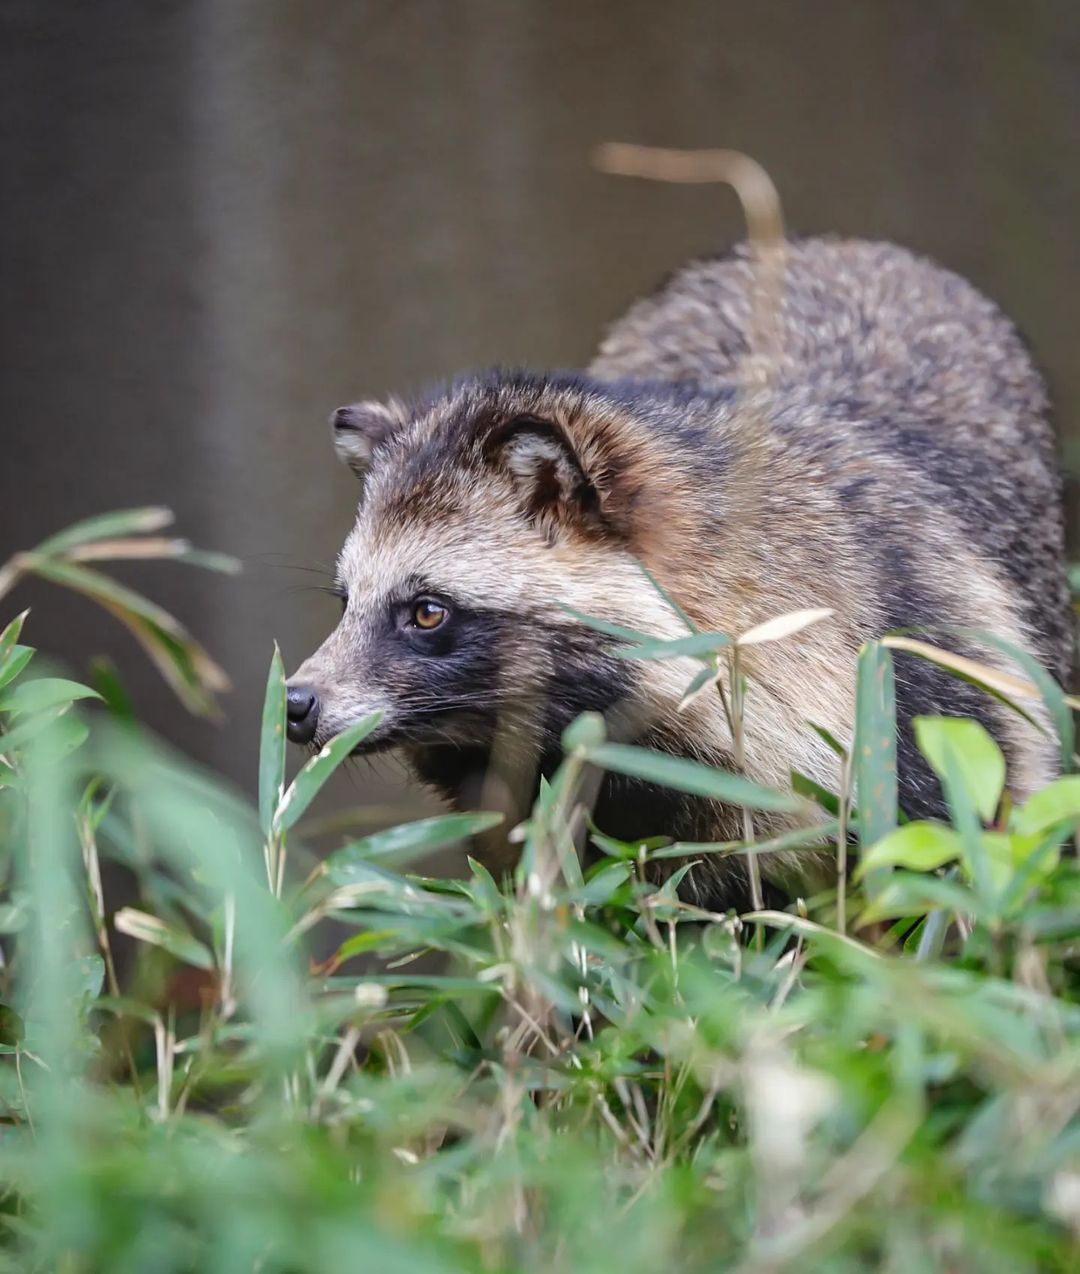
[
  {"x": 690, "y": 776},
  {"x": 105, "y": 526},
  {"x": 783, "y": 626},
  {"x": 14, "y": 662},
  {"x": 10, "y": 636},
  {"x": 309, "y": 782},
  {"x": 272, "y": 744},
  {"x": 606, "y": 626},
  {"x": 875, "y": 749},
  {"x": 691, "y": 627},
  {"x": 147, "y": 928},
  {"x": 698, "y": 644},
  {"x": 420, "y": 837}
]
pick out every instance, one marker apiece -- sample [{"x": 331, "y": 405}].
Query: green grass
[{"x": 567, "y": 1070}]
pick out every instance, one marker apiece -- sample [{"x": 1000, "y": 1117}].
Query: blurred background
[{"x": 222, "y": 218}]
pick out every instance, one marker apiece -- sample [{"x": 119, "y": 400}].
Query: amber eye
[{"x": 427, "y": 614}]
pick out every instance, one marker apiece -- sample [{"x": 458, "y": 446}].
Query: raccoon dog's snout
[{"x": 302, "y": 713}]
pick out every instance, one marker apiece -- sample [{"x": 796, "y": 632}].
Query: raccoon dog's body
[{"x": 900, "y": 470}]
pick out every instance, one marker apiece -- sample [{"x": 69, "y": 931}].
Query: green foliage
[
  {"x": 688, "y": 776},
  {"x": 128, "y": 535},
  {"x": 875, "y": 742},
  {"x": 980, "y": 767},
  {"x": 570, "y": 1069}
]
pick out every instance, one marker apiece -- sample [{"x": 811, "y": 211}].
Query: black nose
[{"x": 302, "y": 711}]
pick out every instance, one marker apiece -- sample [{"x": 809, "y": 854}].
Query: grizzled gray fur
[{"x": 885, "y": 352}]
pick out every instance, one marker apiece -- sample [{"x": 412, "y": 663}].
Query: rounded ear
[
  {"x": 361, "y": 428},
  {"x": 551, "y": 482}
]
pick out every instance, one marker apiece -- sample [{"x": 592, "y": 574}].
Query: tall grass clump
[{"x": 569, "y": 1069}]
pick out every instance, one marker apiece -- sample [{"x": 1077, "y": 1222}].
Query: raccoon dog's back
[{"x": 889, "y": 366}]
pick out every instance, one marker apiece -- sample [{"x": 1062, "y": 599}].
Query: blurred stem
[
  {"x": 274, "y": 854},
  {"x": 546, "y": 854},
  {"x": 340, "y": 1064},
  {"x": 764, "y": 224},
  {"x": 842, "y": 844},
  {"x": 530, "y": 932},
  {"x": 22, "y": 1093},
  {"x": 92, "y": 864},
  {"x": 165, "y": 1043},
  {"x": 227, "y": 1004},
  {"x": 735, "y": 720},
  {"x": 10, "y": 573},
  {"x": 844, "y": 1185},
  {"x": 279, "y": 881},
  {"x": 932, "y": 938}
]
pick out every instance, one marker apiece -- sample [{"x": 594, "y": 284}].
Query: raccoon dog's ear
[
  {"x": 541, "y": 462},
  {"x": 361, "y": 428}
]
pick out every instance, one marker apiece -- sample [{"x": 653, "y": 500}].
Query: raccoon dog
[{"x": 901, "y": 472}]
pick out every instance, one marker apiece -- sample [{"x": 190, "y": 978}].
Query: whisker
[
  {"x": 486, "y": 697},
  {"x": 266, "y": 559},
  {"x": 292, "y": 589}
]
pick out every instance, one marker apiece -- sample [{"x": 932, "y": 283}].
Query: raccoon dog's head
[{"x": 485, "y": 513}]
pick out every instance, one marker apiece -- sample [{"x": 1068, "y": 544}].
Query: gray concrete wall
[{"x": 222, "y": 219}]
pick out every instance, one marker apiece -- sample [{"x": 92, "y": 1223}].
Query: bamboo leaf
[
  {"x": 809, "y": 838},
  {"x": 184, "y": 664},
  {"x": 634, "y": 849},
  {"x": 980, "y": 764},
  {"x": 153, "y": 548},
  {"x": 605, "y": 626},
  {"x": 10, "y": 636},
  {"x": 1059, "y": 705},
  {"x": 920, "y": 846},
  {"x": 814, "y": 791},
  {"x": 702, "y": 681},
  {"x": 690, "y": 776},
  {"x": 783, "y": 626},
  {"x": 696, "y": 645},
  {"x": 193, "y": 676},
  {"x": 104, "y": 526},
  {"x": 977, "y": 858},
  {"x": 688, "y": 623},
  {"x": 43, "y": 694},
  {"x": 15, "y": 661},
  {"x": 207, "y": 560},
  {"x": 586, "y": 731},
  {"x": 485, "y": 891},
  {"x": 914, "y": 893},
  {"x": 123, "y": 1006},
  {"x": 603, "y": 884},
  {"x": 12, "y": 1028},
  {"x": 147, "y": 928},
  {"x": 107, "y": 683},
  {"x": 309, "y": 782},
  {"x": 1057, "y": 804},
  {"x": 1004, "y": 686},
  {"x": 420, "y": 837},
  {"x": 272, "y": 744},
  {"x": 129, "y": 549},
  {"x": 875, "y": 744},
  {"x": 809, "y": 929},
  {"x": 362, "y": 943},
  {"x": 103, "y": 589},
  {"x": 1004, "y": 683},
  {"x": 26, "y": 731},
  {"x": 829, "y": 739}
]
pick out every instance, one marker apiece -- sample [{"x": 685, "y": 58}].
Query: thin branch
[{"x": 764, "y": 226}]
